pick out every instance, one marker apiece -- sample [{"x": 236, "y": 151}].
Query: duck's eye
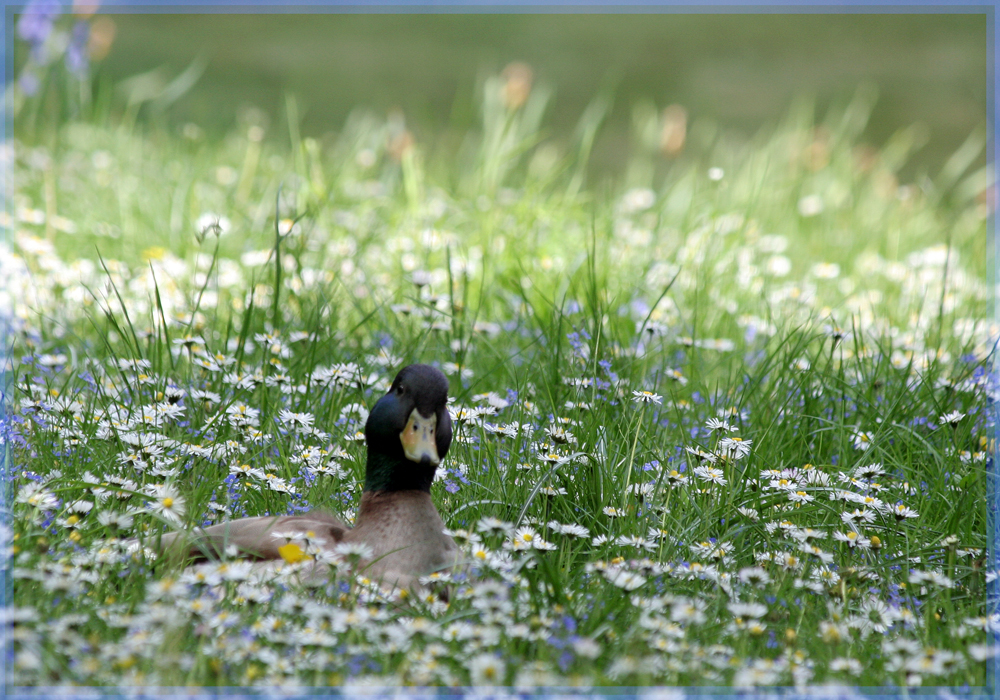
[{"x": 400, "y": 390}]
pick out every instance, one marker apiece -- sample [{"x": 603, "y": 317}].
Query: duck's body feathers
[
  {"x": 402, "y": 530},
  {"x": 252, "y": 538}
]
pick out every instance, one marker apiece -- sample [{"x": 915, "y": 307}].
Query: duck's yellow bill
[{"x": 418, "y": 438}]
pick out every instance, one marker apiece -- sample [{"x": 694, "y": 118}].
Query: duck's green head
[{"x": 408, "y": 431}]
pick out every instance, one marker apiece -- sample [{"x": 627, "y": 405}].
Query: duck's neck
[{"x": 386, "y": 473}]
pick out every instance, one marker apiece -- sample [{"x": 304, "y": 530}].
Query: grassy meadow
[{"x": 725, "y": 422}]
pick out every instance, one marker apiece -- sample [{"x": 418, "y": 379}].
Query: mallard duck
[{"x": 408, "y": 433}]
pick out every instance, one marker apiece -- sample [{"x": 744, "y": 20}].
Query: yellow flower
[{"x": 292, "y": 553}]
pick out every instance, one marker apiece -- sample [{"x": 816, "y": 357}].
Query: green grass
[
  {"x": 739, "y": 70},
  {"x": 800, "y": 294}
]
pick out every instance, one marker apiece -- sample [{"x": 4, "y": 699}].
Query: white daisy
[
  {"x": 705, "y": 473},
  {"x": 167, "y": 503},
  {"x": 646, "y": 397},
  {"x": 951, "y": 418}
]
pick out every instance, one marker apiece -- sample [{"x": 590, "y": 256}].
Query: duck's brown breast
[{"x": 405, "y": 532}]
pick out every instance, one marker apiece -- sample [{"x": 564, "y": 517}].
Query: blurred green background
[{"x": 740, "y": 71}]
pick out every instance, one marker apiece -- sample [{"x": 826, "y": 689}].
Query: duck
[{"x": 408, "y": 433}]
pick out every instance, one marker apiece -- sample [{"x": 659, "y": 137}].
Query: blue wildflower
[
  {"x": 76, "y": 52},
  {"x": 36, "y": 23}
]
